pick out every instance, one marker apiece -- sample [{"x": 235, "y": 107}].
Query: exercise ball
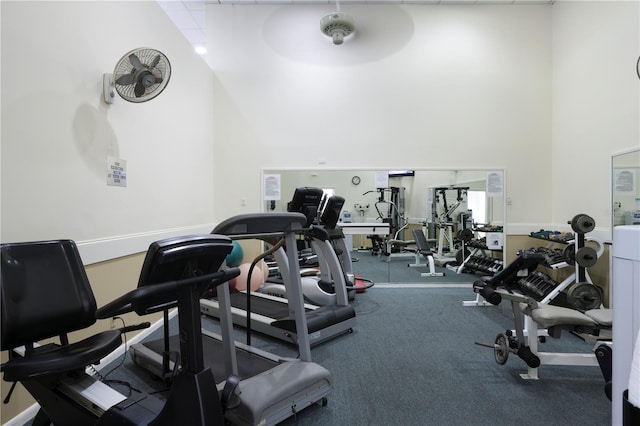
[
  {"x": 234, "y": 258},
  {"x": 257, "y": 277},
  {"x": 265, "y": 270}
]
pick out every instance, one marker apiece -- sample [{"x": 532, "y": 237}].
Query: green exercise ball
[{"x": 234, "y": 258}]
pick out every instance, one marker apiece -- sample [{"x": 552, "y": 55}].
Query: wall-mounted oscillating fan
[{"x": 139, "y": 76}]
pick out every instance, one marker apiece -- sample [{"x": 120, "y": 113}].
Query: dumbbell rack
[
  {"x": 537, "y": 285},
  {"x": 577, "y": 281},
  {"x": 559, "y": 259},
  {"x": 478, "y": 261}
]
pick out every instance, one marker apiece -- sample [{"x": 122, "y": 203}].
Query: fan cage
[
  {"x": 337, "y": 22},
  {"x": 344, "y": 26},
  {"x": 146, "y": 56}
]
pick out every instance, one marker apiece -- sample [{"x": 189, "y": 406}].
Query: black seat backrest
[
  {"x": 45, "y": 292},
  {"x": 421, "y": 242}
]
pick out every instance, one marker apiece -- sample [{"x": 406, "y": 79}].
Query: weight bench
[
  {"x": 424, "y": 250},
  {"x": 593, "y": 325},
  {"x": 395, "y": 247},
  {"x": 558, "y": 318}
]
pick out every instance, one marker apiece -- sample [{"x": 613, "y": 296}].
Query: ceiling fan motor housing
[{"x": 337, "y": 25}]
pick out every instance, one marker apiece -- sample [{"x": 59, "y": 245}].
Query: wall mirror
[
  {"x": 439, "y": 203},
  {"x": 625, "y": 191}
]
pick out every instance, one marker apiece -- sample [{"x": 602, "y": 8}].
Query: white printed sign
[{"x": 116, "y": 172}]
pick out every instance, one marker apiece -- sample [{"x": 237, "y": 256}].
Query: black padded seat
[
  {"x": 53, "y": 359},
  {"x": 45, "y": 294},
  {"x": 421, "y": 243}
]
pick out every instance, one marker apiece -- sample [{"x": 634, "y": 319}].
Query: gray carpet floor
[
  {"x": 412, "y": 360},
  {"x": 395, "y": 270}
]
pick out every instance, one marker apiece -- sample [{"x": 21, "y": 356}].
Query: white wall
[
  {"x": 425, "y": 86},
  {"x": 417, "y": 87},
  {"x": 57, "y": 132},
  {"x": 596, "y": 102},
  {"x": 445, "y": 87}
]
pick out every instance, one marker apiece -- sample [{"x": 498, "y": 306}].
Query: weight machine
[
  {"x": 530, "y": 293},
  {"x": 392, "y": 212},
  {"x": 445, "y": 224}
]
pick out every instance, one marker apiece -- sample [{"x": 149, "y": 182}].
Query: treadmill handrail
[{"x": 163, "y": 293}]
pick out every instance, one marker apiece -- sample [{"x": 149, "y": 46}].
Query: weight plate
[
  {"x": 569, "y": 254},
  {"x": 465, "y": 235},
  {"x": 583, "y": 223},
  {"x": 501, "y": 349},
  {"x": 462, "y": 255},
  {"x": 584, "y": 296},
  {"x": 586, "y": 257}
]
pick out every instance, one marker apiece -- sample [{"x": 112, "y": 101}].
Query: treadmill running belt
[
  {"x": 317, "y": 319},
  {"x": 249, "y": 365},
  {"x": 261, "y": 306}
]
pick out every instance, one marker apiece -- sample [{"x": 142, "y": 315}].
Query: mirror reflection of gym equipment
[
  {"x": 383, "y": 209},
  {"x": 390, "y": 207}
]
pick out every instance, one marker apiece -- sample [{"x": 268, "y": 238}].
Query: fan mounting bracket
[{"x": 108, "y": 88}]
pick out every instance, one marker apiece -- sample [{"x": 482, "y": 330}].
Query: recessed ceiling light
[{"x": 201, "y": 50}]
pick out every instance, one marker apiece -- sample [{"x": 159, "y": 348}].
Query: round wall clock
[{"x": 355, "y": 180}]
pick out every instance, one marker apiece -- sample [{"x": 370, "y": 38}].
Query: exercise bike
[{"x": 45, "y": 293}]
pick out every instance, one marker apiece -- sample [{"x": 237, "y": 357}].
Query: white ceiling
[{"x": 189, "y": 15}]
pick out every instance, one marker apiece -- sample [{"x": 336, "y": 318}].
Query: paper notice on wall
[
  {"x": 116, "y": 172},
  {"x": 494, "y": 240},
  {"x": 495, "y": 184},
  {"x": 272, "y": 187},
  {"x": 382, "y": 179},
  {"x": 624, "y": 181}
]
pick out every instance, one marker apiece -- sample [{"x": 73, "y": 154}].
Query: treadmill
[
  {"x": 259, "y": 388},
  {"x": 277, "y": 316}
]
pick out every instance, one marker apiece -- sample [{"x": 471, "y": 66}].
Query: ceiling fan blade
[
  {"x": 135, "y": 62},
  {"x": 155, "y": 61},
  {"x": 139, "y": 90},
  {"x": 126, "y": 79}
]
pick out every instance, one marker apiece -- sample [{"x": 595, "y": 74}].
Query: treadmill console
[{"x": 306, "y": 200}]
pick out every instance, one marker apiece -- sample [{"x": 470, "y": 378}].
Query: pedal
[{"x": 93, "y": 395}]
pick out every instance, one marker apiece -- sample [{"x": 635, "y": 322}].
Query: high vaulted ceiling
[{"x": 189, "y": 15}]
